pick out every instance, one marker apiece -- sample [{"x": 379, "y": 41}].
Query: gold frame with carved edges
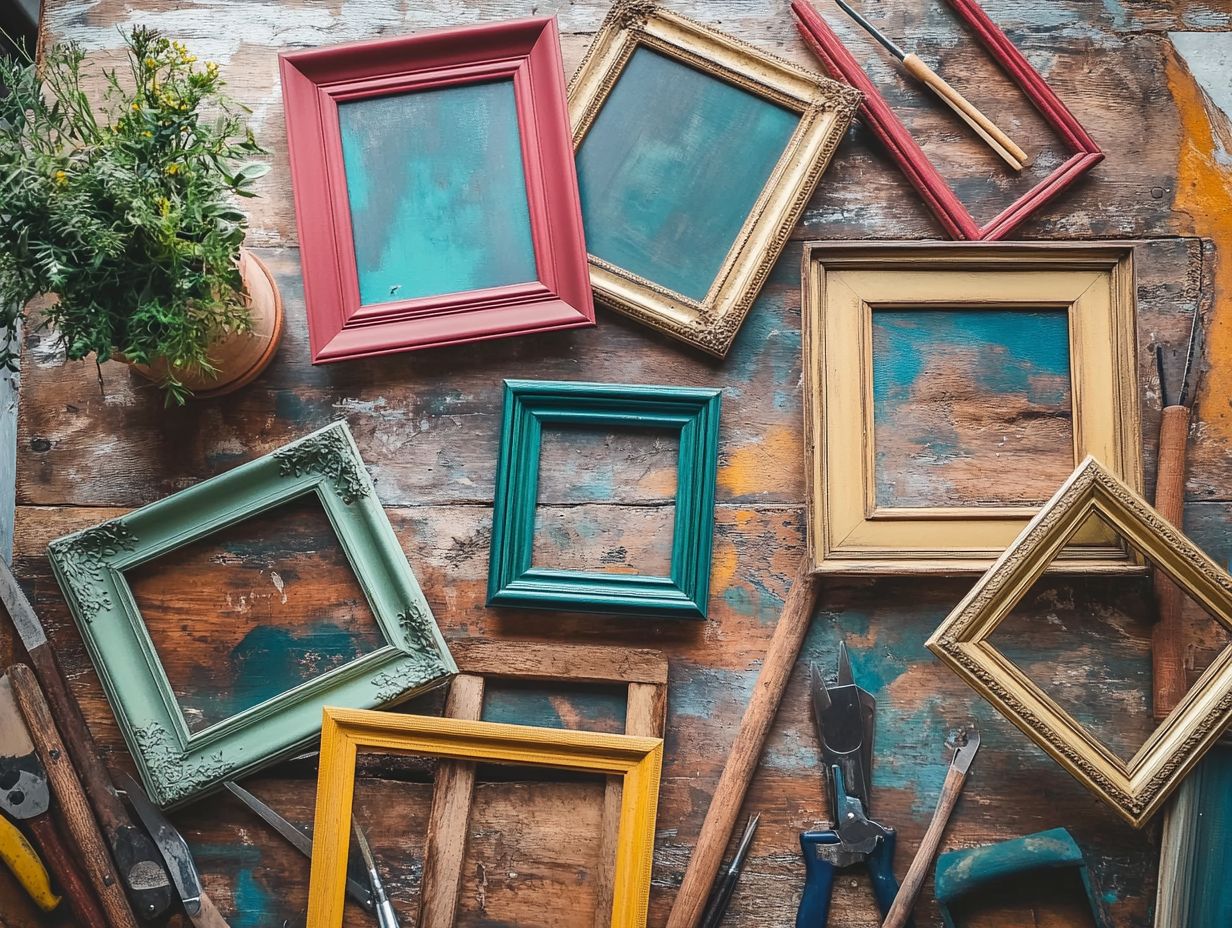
[
  {"x": 1135, "y": 788},
  {"x": 826, "y": 108}
]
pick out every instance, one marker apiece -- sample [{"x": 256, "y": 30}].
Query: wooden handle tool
[
  {"x": 745, "y": 751},
  {"x": 955, "y": 778},
  {"x": 24, "y": 862},
  {"x": 74, "y": 807},
  {"x": 1168, "y": 633},
  {"x": 984, "y": 127},
  {"x": 136, "y": 859},
  {"x": 24, "y": 795}
]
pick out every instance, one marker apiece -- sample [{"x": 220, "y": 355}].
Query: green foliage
[{"x": 124, "y": 209}]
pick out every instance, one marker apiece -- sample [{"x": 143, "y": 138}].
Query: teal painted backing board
[
  {"x": 672, "y": 144},
  {"x": 954, "y": 389},
  {"x": 1210, "y": 903},
  {"x": 437, "y": 191}
]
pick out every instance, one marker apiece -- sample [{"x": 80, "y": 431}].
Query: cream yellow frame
[
  {"x": 844, "y": 281},
  {"x": 826, "y": 109},
  {"x": 1135, "y": 788},
  {"x": 345, "y": 731}
]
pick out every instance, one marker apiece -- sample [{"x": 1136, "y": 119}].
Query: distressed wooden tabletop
[{"x": 427, "y": 425}]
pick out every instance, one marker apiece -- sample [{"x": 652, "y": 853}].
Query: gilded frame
[
  {"x": 843, "y": 282},
  {"x": 514, "y": 581},
  {"x": 175, "y": 763},
  {"x": 826, "y": 109},
  {"x": 1138, "y": 787},
  {"x": 637, "y": 761}
]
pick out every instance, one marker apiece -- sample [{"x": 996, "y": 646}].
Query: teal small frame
[
  {"x": 529, "y": 406},
  {"x": 175, "y": 764}
]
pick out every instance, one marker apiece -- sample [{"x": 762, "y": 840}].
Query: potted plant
[{"x": 123, "y": 211}]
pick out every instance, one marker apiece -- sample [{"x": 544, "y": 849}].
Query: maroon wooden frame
[
  {"x": 315, "y": 81},
  {"x": 876, "y": 114}
]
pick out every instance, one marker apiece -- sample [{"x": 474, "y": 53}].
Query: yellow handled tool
[{"x": 21, "y": 858}]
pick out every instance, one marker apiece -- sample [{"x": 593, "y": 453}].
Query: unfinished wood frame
[
  {"x": 1135, "y": 788},
  {"x": 645, "y": 674},
  {"x": 637, "y": 761},
  {"x": 845, "y": 282}
]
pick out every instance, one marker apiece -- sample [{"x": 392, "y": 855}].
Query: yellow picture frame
[
  {"x": 1137, "y": 787},
  {"x": 637, "y": 761},
  {"x": 843, "y": 282},
  {"x": 824, "y": 107}
]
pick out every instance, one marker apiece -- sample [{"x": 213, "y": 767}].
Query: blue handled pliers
[{"x": 845, "y": 716}]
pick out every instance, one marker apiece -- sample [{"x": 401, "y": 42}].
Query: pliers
[{"x": 845, "y": 716}]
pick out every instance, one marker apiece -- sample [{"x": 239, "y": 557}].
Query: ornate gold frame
[
  {"x": 637, "y": 761},
  {"x": 844, "y": 281},
  {"x": 1138, "y": 787},
  {"x": 826, "y": 108}
]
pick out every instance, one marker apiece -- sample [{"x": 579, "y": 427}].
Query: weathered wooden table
[{"x": 427, "y": 425}]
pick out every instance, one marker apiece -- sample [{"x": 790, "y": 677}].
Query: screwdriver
[{"x": 984, "y": 127}]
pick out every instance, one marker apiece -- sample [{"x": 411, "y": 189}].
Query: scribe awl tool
[
  {"x": 984, "y": 127},
  {"x": 296, "y": 838},
  {"x": 385, "y": 916},
  {"x": 720, "y": 897}
]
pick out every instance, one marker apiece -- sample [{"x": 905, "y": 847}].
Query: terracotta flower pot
[{"x": 239, "y": 357}]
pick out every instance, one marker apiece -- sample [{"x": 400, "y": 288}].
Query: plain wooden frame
[
  {"x": 1137, "y": 787},
  {"x": 637, "y": 761},
  {"x": 643, "y": 672},
  {"x": 938, "y": 195},
  {"x": 844, "y": 281},
  {"x": 314, "y": 82}
]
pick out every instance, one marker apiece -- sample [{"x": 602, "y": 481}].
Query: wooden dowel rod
[
  {"x": 917, "y": 873},
  {"x": 746, "y": 751},
  {"x": 1168, "y": 637}
]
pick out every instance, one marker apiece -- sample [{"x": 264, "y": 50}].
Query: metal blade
[
  {"x": 170, "y": 843},
  {"x": 872, "y": 30},
  {"x": 29, "y": 628},
  {"x": 296, "y": 837},
  {"x": 846, "y": 718},
  {"x": 364, "y": 850},
  {"x": 963, "y": 743},
  {"x": 749, "y": 830},
  {"x": 844, "y": 666},
  {"x": 23, "y": 781}
]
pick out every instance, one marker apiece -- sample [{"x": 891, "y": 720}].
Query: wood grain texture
[
  {"x": 74, "y": 808},
  {"x": 428, "y": 430}
]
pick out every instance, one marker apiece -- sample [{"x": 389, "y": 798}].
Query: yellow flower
[
  {"x": 136, "y": 106},
  {"x": 164, "y": 205},
  {"x": 151, "y": 63},
  {"x": 60, "y": 178},
  {"x": 173, "y": 169},
  {"x": 148, "y": 134}
]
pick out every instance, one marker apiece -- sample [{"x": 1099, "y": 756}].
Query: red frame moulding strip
[{"x": 876, "y": 114}]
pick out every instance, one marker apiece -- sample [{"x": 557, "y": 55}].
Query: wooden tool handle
[
  {"x": 136, "y": 859},
  {"x": 74, "y": 808},
  {"x": 209, "y": 916},
  {"x": 1168, "y": 634},
  {"x": 72, "y": 884},
  {"x": 917, "y": 873},
  {"x": 984, "y": 127},
  {"x": 745, "y": 751}
]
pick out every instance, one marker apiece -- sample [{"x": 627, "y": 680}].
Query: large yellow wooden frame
[
  {"x": 845, "y": 281},
  {"x": 1135, "y": 788},
  {"x": 344, "y": 731}
]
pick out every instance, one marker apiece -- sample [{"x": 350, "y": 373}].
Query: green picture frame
[
  {"x": 528, "y": 406},
  {"x": 177, "y": 764}
]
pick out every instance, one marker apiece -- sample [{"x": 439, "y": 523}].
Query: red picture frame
[
  {"x": 876, "y": 114},
  {"x": 315, "y": 81}
]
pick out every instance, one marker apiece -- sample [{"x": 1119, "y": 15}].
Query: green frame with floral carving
[{"x": 175, "y": 764}]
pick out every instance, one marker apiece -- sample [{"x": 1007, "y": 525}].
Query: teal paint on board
[
  {"x": 671, "y": 167},
  {"x": 437, "y": 192},
  {"x": 1210, "y": 897},
  {"x": 956, "y": 386}
]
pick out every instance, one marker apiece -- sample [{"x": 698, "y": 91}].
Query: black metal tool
[
  {"x": 297, "y": 838},
  {"x": 845, "y": 715},
  {"x": 385, "y": 915},
  {"x": 176, "y": 855},
  {"x": 721, "y": 895}
]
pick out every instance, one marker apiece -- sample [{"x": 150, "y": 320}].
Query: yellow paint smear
[
  {"x": 1204, "y": 192},
  {"x": 765, "y": 464}
]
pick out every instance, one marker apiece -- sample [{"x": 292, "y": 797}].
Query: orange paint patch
[
  {"x": 764, "y": 465},
  {"x": 1204, "y": 192}
]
